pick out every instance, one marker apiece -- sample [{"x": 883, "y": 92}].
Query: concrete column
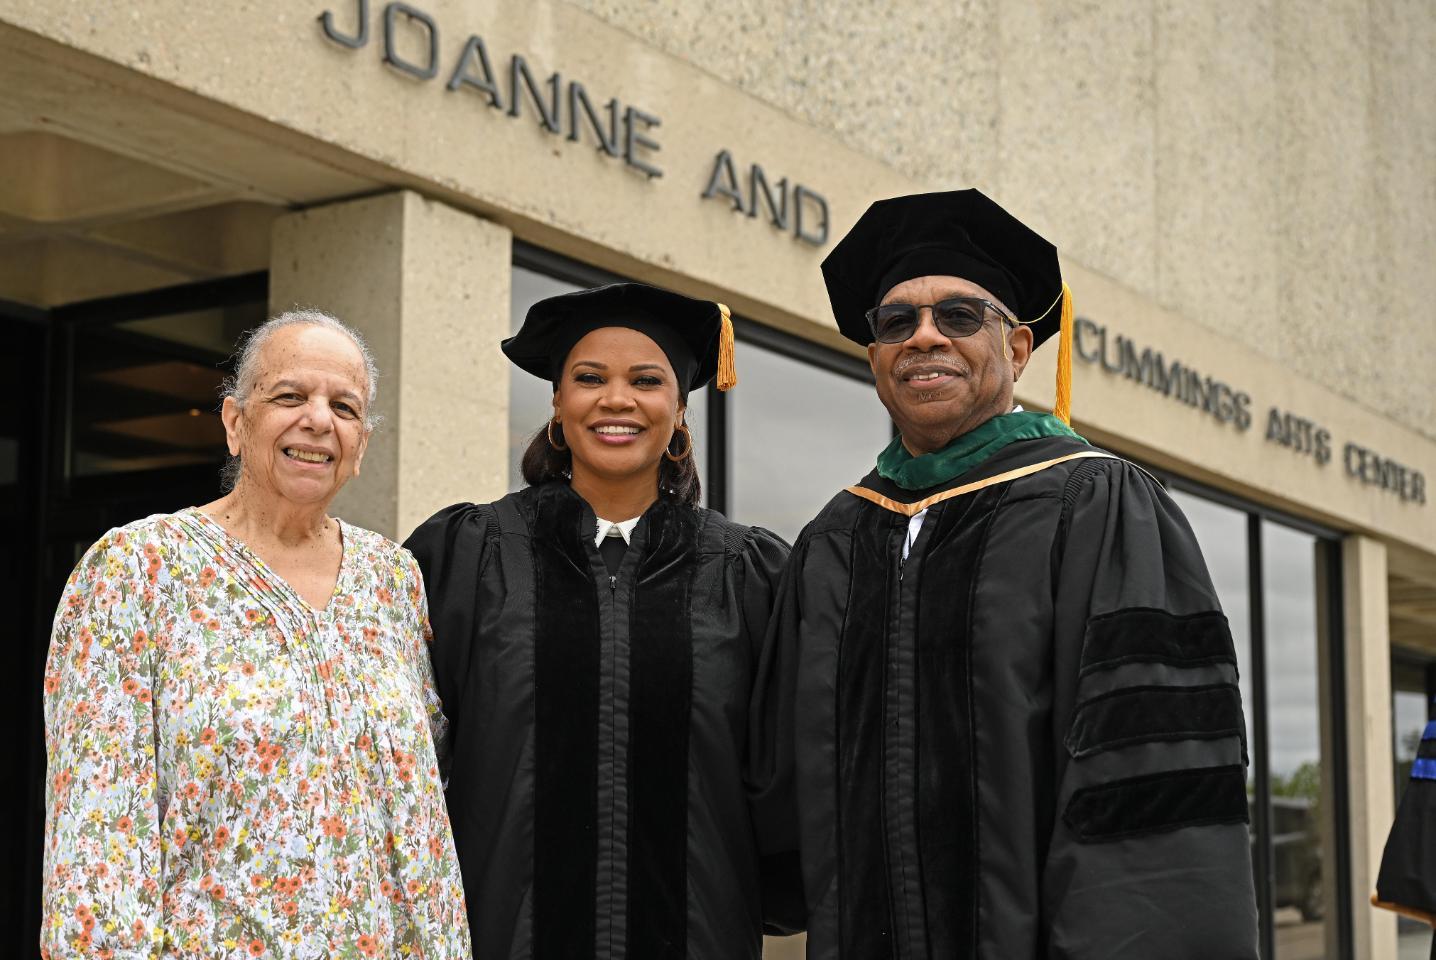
[
  {"x": 428, "y": 287},
  {"x": 1368, "y": 731}
]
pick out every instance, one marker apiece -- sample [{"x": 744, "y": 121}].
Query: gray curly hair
[{"x": 246, "y": 369}]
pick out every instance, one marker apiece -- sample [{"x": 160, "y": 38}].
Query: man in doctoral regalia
[{"x": 1005, "y": 683}]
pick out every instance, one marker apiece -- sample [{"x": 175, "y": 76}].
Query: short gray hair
[{"x": 246, "y": 367}]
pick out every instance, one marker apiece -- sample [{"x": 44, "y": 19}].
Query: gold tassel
[
  {"x": 1062, "y": 409},
  {"x": 727, "y": 373}
]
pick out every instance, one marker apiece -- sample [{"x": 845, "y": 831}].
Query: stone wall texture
[{"x": 1266, "y": 169}]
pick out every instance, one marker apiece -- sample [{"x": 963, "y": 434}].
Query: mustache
[{"x": 929, "y": 360}]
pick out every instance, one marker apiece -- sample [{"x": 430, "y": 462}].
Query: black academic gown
[
  {"x": 1406, "y": 882},
  {"x": 599, "y": 730},
  {"x": 1026, "y": 740}
]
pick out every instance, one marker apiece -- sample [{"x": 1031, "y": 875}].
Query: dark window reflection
[
  {"x": 145, "y": 394},
  {"x": 1222, "y": 534},
  {"x": 1302, "y": 842},
  {"x": 530, "y": 399},
  {"x": 797, "y": 435},
  {"x": 1412, "y": 677}
]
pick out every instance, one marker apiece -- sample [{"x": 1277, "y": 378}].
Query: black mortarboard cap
[
  {"x": 695, "y": 335},
  {"x": 960, "y": 233}
]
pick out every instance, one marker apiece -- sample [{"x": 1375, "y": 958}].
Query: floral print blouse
[{"x": 233, "y": 773}]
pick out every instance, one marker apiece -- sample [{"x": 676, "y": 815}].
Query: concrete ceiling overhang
[
  {"x": 268, "y": 150},
  {"x": 109, "y": 186},
  {"x": 1411, "y": 599}
]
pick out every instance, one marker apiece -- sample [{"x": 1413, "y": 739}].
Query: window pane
[
  {"x": 146, "y": 392},
  {"x": 1409, "y": 713},
  {"x": 797, "y": 435},
  {"x": 1222, "y": 534},
  {"x": 1302, "y": 836},
  {"x": 531, "y": 399}
]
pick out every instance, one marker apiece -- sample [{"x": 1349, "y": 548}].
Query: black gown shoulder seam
[
  {"x": 492, "y": 535},
  {"x": 1079, "y": 478},
  {"x": 1081, "y": 475},
  {"x": 1029, "y": 497}
]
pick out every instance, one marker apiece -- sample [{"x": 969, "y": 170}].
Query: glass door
[
  {"x": 114, "y": 417},
  {"x": 23, "y": 369},
  {"x": 1280, "y": 589}
]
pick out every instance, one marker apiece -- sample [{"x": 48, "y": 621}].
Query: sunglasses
[{"x": 955, "y": 317}]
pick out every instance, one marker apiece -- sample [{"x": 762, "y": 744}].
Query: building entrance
[{"x": 112, "y": 416}]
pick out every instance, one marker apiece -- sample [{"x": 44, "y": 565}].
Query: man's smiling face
[{"x": 937, "y": 387}]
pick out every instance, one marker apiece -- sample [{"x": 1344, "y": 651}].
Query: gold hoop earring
[
  {"x": 551, "y": 441},
  {"x": 687, "y": 449}
]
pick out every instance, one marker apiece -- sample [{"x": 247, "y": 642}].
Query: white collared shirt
[
  {"x": 914, "y": 526},
  {"x": 611, "y": 528}
]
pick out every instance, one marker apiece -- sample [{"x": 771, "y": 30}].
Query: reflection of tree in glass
[
  {"x": 1303, "y": 784},
  {"x": 1297, "y": 823},
  {"x": 1305, "y": 781}
]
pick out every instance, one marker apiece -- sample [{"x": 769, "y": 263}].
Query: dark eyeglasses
[{"x": 955, "y": 317}]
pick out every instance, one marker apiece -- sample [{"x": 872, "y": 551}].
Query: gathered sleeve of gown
[
  {"x": 103, "y": 807},
  {"x": 770, "y": 609},
  {"x": 422, "y": 638},
  {"x": 451, "y": 548},
  {"x": 1149, "y": 854}
]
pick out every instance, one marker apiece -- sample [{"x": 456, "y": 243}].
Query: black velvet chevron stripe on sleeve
[
  {"x": 1142, "y": 635},
  {"x": 1157, "y": 803},
  {"x": 1155, "y": 713}
]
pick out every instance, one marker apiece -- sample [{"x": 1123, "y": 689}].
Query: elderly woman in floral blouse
[{"x": 240, "y": 716}]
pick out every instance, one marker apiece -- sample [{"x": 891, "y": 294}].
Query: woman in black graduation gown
[{"x": 595, "y": 638}]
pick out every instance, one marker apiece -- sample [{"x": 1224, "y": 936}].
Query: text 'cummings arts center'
[{"x": 1120, "y": 355}]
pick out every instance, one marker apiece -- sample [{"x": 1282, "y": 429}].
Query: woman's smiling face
[
  {"x": 618, "y": 403},
  {"x": 302, "y": 430}
]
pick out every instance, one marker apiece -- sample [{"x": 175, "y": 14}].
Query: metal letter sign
[
  {"x": 622, "y": 131},
  {"x": 326, "y": 19},
  {"x": 391, "y": 56}
]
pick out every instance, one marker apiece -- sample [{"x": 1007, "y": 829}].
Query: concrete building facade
[{"x": 1243, "y": 196}]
